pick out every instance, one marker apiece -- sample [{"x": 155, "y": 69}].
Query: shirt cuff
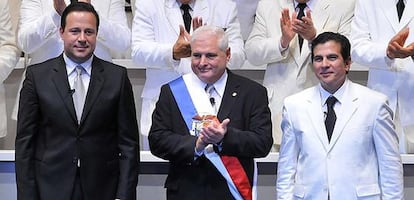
[{"x": 197, "y": 154}]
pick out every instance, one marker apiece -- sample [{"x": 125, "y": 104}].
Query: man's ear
[
  {"x": 228, "y": 54},
  {"x": 61, "y": 30},
  {"x": 348, "y": 63}
]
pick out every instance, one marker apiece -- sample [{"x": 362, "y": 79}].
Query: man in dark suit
[
  {"x": 71, "y": 150},
  {"x": 200, "y": 157}
]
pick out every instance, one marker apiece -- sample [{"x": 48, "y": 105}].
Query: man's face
[
  {"x": 329, "y": 65},
  {"x": 208, "y": 61},
  {"x": 79, "y": 36}
]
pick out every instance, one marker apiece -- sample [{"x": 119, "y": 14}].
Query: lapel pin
[{"x": 234, "y": 94}]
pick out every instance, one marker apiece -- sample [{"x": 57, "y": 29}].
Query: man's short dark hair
[
  {"x": 336, "y": 37},
  {"x": 78, "y": 7}
]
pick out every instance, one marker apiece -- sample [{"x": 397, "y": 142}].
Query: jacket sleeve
[
  {"x": 36, "y": 27},
  {"x": 364, "y": 50},
  {"x": 114, "y": 32},
  {"x": 389, "y": 159},
  {"x": 128, "y": 141},
  {"x": 287, "y": 164},
  {"x": 9, "y": 54},
  {"x": 27, "y": 129}
]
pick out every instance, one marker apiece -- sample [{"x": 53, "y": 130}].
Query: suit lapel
[
  {"x": 294, "y": 43},
  {"x": 390, "y": 11},
  {"x": 407, "y": 16},
  {"x": 60, "y": 80},
  {"x": 320, "y": 15},
  {"x": 202, "y": 10},
  {"x": 95, "y": 86},
  {"x": 316, "y": 117},
  {"x": 348, "y": 108},
  {"x": 173, "y": 14},
  {"x": 231, "y": 94}
]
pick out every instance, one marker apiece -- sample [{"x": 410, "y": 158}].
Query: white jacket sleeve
[
  {"x": 9, "y": 53},
  {"x": 36, "y": 27}
]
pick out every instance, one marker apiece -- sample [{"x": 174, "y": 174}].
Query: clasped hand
[
  {"x": 182, "y": 48},
  {"x": 290, "y": 26},
  {"x": 212, "y": 134},
  {"x": 396, "y": 47}
]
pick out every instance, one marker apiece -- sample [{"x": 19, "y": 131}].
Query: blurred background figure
[
  {"x": 382, "y": 39},
  {"x": 9, "y": 55}
]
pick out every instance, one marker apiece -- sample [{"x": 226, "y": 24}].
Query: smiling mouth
[
  {"x": 204, "y": 69},
  {"x": 81, "y": 47},
  {"x": 325, "y": 74}
]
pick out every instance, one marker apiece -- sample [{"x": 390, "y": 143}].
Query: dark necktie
[
  {"x": 301, "y": 13},
  {"x": 186, "y": 16},
  {"x": 330, "y": 116},
  {"x": 400, "y": 8}
]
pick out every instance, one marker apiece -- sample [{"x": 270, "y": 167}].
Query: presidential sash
[{"x": 228, "y": 166}]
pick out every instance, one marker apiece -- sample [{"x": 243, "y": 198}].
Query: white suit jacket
[
  {"x": 290, "y": 72},
  {"x": 38, "y": 33},
  {"x": 374, "y": 25},
  {"x": 246, "y": 12},
  {"x": 155, "y": 29},
  {"x": 361, "y": 161},
  {"x": 9, "y": 55}
]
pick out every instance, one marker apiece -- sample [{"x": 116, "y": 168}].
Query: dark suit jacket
[
  {"x": 49, "y": 140},
  {"x": 248, "y": 136}
]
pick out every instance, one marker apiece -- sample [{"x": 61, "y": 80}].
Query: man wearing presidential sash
[{"x": 210, "y": 125}]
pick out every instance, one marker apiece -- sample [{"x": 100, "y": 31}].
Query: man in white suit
[
  {"x": 274, "y": 41},
  {"x": 161, "y": 44},
  {"x": 9, "y": 55},
  {"x": 359, "y": 158},
  {"x": 384, "y": 42}
]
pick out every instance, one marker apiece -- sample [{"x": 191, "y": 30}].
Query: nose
[
  {"x": 82, "y": 38},
  {"x": 325, "y": 63},
  {"x": 203, "y": 60}
]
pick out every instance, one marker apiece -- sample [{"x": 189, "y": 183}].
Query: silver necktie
[
  {"x": 80, "y": 92},
  {"x": 210, "y": 90}
]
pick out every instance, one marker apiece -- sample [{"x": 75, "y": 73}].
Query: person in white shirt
[
  {"x": 384, "y": 43},
  {"x": 9, "y": 55}
]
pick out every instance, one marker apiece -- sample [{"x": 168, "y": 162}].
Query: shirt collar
[
  {"x": 219, "y": 85},
  {"x": 70, "y": 65},
  {"x": 339, "y": 94},
  {"x": 405, "y": 2},
  {"x": 191, "y": 4},
  {"x": 310, "y": 4}
]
